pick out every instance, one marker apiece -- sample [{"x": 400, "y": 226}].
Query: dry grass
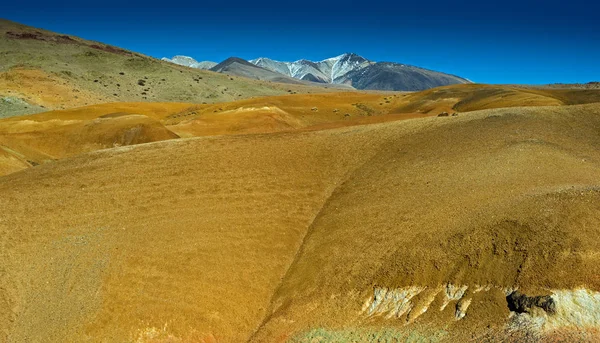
[
  {"x": 275, "y": 218},
  {"x": 196, "y": 233},
  {"x": 44, "y": 137},
  {"x": 504, "y": 197},
  {"x": 217, "y": 235}
]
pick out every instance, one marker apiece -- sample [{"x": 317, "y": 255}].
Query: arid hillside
[
  {"x": 414, "y": 230},
  {"x": 43, "y": 70}
]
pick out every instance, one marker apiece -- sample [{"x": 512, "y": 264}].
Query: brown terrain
[
  {"x": 47, "y": 136},
  {"x": 466, "y": 213}
]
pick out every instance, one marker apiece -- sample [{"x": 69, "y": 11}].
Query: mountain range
[{"x": 346, "y": 69}]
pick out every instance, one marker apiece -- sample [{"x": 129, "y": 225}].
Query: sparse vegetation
[
  {"x": 77, "y": 63},
  {"x": 329, "y": 217}
]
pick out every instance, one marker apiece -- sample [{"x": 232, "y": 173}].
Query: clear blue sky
[{"x": 509, "y": 41}]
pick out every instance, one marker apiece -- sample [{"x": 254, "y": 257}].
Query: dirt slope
[
  {"x": 499, "y": 199},
  {"x": 287, "y": 235},
  {"x": 48, "y": 136},
  {"x": 192, "y": 234},
  {"x": 344, "y": 108}
]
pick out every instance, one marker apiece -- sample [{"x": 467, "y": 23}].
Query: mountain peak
[
  {"x": 231, "y": 60},
  {"x": 189, "y": 62},
  {"x": 346, "y": 56},
  {"x": 353, "y": 69}
]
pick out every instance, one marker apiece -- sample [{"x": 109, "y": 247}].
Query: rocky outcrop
[{"x": 521, "y": 303}]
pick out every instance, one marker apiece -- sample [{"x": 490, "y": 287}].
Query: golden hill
[
  {"x": 47, "y": 136},
  {"x": 417, "y": 229}
]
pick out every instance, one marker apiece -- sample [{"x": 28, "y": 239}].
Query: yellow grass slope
[
  {"x": 500, "y": 199},
  {"x": 193, "y": 235},
  {"x": 56, "y": 134},
  {"x": 472, "y": 97},
  {"x": 266, "y": 237},
  {"x": 284, "y": 113},
  {"x": 48, "y": 136},
  {"x": 11, "y": 161}
]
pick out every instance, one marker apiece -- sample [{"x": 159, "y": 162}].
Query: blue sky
[{"x": 527, "y": 42}]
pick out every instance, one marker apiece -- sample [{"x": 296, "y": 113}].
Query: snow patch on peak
[
  {"x": 327, "y": 70},
  {"x": 347, "y": 63},
  {"x": 189, "y": 62},
  {"x": 272, "y": 65}
]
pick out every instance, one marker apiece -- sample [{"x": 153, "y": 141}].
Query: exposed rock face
[
  {"x": 521, "y": 303},
  {"x": 240, "y": 67},
  {"x": 331, "y": 70},
  {"x": 360, "y": 73}
]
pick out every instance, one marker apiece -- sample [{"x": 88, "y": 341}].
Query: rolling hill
[
  {"x": 45, "y": 137},
  {"x": 415, "y": 228}
]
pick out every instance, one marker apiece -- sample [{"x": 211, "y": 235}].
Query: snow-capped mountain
[
  {"x": 346, "y": 71},
  {"x": 330, "y": 70},
  {"x": 190, "y": 62},
  {"x": 360, "y": 73}
]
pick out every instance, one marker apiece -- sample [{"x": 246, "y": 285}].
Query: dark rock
[
  {"x": 521, "y": 303},
  {"x": 399, "y": 77},
  {"x": 443, "y": 114}
]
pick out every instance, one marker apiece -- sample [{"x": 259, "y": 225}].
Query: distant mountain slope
[
  {"x": 190, "y": 62},
  {"x": 42, "y": 70},
  {"x": 361, "y": 73},
  {"x": 330, "y": 70},
  {"x": 394, "y": 76},
  {"x": 240, "y": 67}
]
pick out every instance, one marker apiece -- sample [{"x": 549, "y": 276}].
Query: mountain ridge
[
  {"x": 189, "y": 62},
  {"x": 348, "y": 69},
  {"x": 361, "y": 73},
  {"x": 328, "y": 70},
  {"x": 240, "y": 67}
]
